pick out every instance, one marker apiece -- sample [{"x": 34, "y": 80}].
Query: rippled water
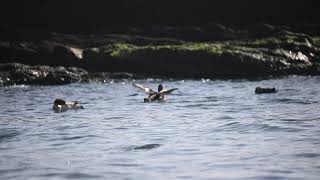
[{"x": 216, "y": 129}]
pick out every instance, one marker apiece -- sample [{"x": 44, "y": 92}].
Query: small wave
[
  {"x": 211, "y": 97},
  {"x": 226, "y": 117},
  {"x": 295, "y": 101},
  {"x": 291, "y": 90},
  {"x": 280, "y": 171},
  {"x": 146, "y": 147},
  {"x": 274, "y": 128},
  {"x": 267, "y": 127},
  {"x": 114, "y": 117},
  {"x": 77, "y": 137},
  {"x": 130, "y": 95},
  {"x": 74, "y": 137},
  {"x": 8, "y": 134},
  {"x": 207, "y": 101},
  {"x": 186, "y": 101},
  {"x": 124, "y": 164},
  {"x": 7, "y": 171},
  {"x": 270, "y": 177},
  {"x": 230, "y": 124},
  {"x": 198, "y": 105},
  {"x": 308, "y": 155},
  {"x": 72, "y": 175},
  {"x": 121, "y": 128},
  {"x": 253, "y": 127},
  {"x": 176, "y": 94}
]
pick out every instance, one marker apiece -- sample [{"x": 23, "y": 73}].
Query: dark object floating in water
[
  {"x": 61, "y": 105},
  {"x": 147, "y": 146},
  {"x": 155, "y": 96},
  {"x": 260, "y": 90}
]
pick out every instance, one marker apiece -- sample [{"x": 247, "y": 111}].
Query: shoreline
[
  {"x": 219, "y": 53},
  {"x": 14, "y": 74}
]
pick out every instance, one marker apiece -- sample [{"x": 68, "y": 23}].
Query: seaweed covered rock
[
  {"x": 210, "y": 51},
  {"x": 287, "y": 53}
]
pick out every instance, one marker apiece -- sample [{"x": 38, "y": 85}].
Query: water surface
[{"x": 208, "y": 129}]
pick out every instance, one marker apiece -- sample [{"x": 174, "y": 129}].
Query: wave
[{"x": 255, "y": 127}]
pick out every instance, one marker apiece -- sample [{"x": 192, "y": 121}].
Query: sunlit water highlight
[{"x": 208, "y": 129}]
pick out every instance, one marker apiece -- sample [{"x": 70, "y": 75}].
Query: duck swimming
[
  {"x": 61, "y": 105},
  {"x": 155, "y": 96}
]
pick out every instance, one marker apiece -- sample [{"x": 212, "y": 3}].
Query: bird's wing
[
  {"x": 165, "y": 91},
  {"x": 145, "y": 89},
  {"x": 153, "y": 97},
  {"x": 72, "y": 103}
]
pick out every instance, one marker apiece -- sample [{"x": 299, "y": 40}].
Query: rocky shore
[
  {"x": 289, "y": 53},
  {"x": 211, "y": 51},
  {"x": 18, "y": 74}
]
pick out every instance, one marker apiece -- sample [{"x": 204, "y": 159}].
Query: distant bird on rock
[{"x": 155, "y": 96}]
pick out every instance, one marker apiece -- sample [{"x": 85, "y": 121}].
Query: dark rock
[
  {"x": 261, "y": 90},
  {"x": 262, "y": 30},
  {"x": 13, "y": 74},
  {"x": 219, "y": 32},
  {"x": 38, "y": 53},
  {"x": 288, "y": 53},
  {"x": 181, "y": 51},
  {"x": 121, "y": 75},
  {"x": 141, "y": 40}
]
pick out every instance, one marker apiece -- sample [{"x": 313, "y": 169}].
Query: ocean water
[{"x": 207, "y": 129}]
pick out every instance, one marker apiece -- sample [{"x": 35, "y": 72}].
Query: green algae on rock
[{"x": 288, "y": 53}]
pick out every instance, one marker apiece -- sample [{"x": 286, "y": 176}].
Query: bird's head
[
  {"x": 160, "y": 87},
  {"x": 59, "y": 102}
]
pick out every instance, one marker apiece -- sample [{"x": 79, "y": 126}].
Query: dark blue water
[{"x": 208, "y": 129}]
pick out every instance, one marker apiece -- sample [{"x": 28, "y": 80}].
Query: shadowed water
[{"x": 208, "y": 129}]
